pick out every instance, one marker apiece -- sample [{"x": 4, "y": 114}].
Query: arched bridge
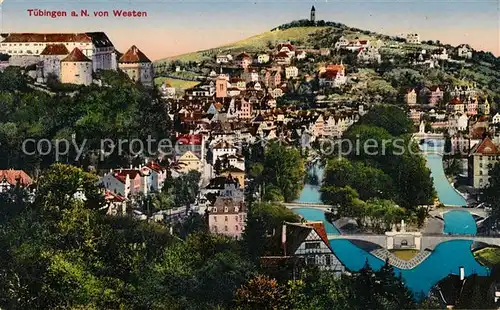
[{"x": 427, "y": 242}]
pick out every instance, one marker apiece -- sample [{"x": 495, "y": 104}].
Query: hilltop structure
[
  {"x": 25, "y": 48},
  {"x": 137, "y": 66},
  {"x": 313, "y": 14},
  {"x": 76, "y": 68}
]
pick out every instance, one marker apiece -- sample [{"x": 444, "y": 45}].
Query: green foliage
[
  {"x": 391, "y": 118},
  {"x": 368, "y": 181},
  {"x": 120, "y": 110},
  {"x": 491, "y": 195},
  {"x": 284, "y": 169},
  {"x": 263, "y": 220}
]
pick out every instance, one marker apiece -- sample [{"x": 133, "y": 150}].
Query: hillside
[{"x": 299, "y": 35}]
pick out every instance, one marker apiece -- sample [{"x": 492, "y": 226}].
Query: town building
[
  {"x": 50, "y": 61},
  {"x": 9, "y": 179},
  {"x": 189, "y": 161},
  {"x": 243, "y": 60},
  {"x": 227, "y": 217},
  {"x": 137, "y": 66},
  {"x": 411, "y": 97},
  {"x": 291, "y": 72},
  {"x": 413, "y": 38},
  {"x": 482, "y": 158},
  {"x": 76, "y": 68},
  {"x": 464, "y": 51},
  {"x": 310, "y": 241},
  {"x": 125, "y": 182},
  {"x": 26, "y": 47}
]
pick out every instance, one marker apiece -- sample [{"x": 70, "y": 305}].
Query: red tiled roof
[
  {"x": 98, "y": 39},
  {"x": 121, "y": 175},
  {"x": 76, "y": 55},
  {"x": 55, "y": 49},
  {"x": 189, "y": 139},
  {"x": 335, "y": 67},
  {"x": 243, "y": 55},
  {"x": 455, "y": 101},
  {"x": 47, "y": 37},
  {"x": 289, "y": 46},
  {"x": 320, "y": 230},
  {"x": 330, "y": 74},
  {"x": 110, "y": 196},
  {"x": 487, "y": 147},
  {"x": 282, "y": 55},
  {"x": 155, "y": 166},
  {"x": 13, "y": 176},
  {"x": 134, "y": 55}
]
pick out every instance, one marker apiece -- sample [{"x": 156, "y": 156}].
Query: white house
[
  {"x": 413, "y": 38},
  {"x": 263, "y": 58},
  {"x": 341, "y": 43},
  {"x": 222, "y": 148},
  {"x": 301, "y": 55},
  {"x": 125, "y": 182},
  {"x": 220, "y": 59},
  {"x": 496, "y": 119},
  {"x": 167, "y": 91},
  {"x": 464, "y": 51},
  {"x": 291, "y": 72}
]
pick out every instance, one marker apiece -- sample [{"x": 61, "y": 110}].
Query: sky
[{"x": 174, "y": 27}]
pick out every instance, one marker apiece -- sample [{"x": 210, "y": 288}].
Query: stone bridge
[
  {"x": 296, "y": 205},
  {"x": 423, "y": 135},
  {"x": 427, "y": 242},
  {"x": 474, "y": 211}
]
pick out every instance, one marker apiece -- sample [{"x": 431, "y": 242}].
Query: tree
[
  {"x": 491, "y": 194},
  {"x": 261, "y": 292},
  {"x": 217, "y": 166},
  {"x": 284, "y": 168},
  {"x": 391, "y": 118}
]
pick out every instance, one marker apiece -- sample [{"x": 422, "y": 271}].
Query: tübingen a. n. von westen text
[{"x": 85, "y": 13}]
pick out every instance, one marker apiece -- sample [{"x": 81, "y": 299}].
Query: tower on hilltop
[{"x": 313, "y": 14}]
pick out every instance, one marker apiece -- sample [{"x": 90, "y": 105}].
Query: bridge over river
[
  {"x": 428, "y": 242},
  {"x": 297, "y": 205}
]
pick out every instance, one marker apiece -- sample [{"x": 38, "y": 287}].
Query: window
[
  {"x": 225, "y": 228},
  {"x": 225, "y": 218},
  {"x": 235, "y": 217},
  {"x": 312, "y": 245},
  {"x": 215, "y": 218},
  {"x": 328, "y": 260},
  {"x": 236, "y": 227}
]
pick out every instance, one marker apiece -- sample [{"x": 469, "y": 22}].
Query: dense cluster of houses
[
  {"x": 466, "y": 119},
  {"x": 73, "y": 57}
]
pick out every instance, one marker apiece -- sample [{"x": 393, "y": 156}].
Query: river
[{"x": 446, "y": 258}]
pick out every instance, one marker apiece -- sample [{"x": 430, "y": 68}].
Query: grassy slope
[
  {"x": 176, "y": 83},
  {"x": 252, "y": 44}
]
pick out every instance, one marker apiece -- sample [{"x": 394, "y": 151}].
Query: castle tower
[{"x": 313, "y": 14}]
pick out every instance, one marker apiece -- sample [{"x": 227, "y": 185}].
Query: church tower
[{"x": 313, "y": 14}]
